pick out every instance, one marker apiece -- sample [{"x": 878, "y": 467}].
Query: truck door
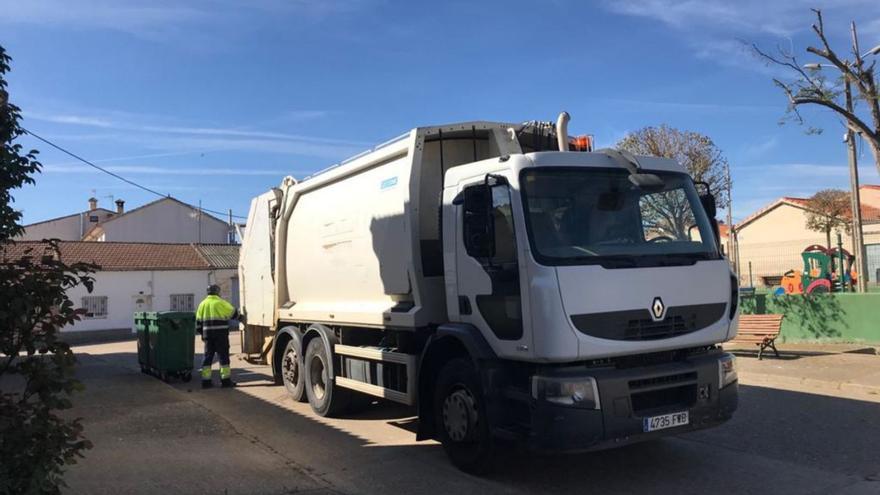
[{"x": 488, "y": 275}]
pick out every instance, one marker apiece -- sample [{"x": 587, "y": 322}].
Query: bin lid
[{"x": 175, "y": 315}]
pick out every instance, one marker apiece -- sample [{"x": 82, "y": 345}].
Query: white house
[
  {"x": 139, "y": 277},
  {"x": 163, "y": 220},
  {"x": 71, "y": 227}
]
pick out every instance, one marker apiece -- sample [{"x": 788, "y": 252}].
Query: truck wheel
[
  {"x": 460, "y": 412},
  {"x": 291, "y": 373},
  {"x": 325, "y": 397}
]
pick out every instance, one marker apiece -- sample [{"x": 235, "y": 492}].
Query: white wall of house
[
  {"x": 165, "y": 221},
  {"x": 131, "y": 291},
  {"x": 69, "y": 228}
]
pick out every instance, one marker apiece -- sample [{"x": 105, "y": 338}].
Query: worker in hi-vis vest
[{"x": 212, "y": 323}]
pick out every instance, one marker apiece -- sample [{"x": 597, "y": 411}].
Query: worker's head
[{"x": 214, "y": 290}]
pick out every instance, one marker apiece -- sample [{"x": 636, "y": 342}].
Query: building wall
[
  {"x": 165, "y": 221},
  {"x": 773, "y": 243},
  {"x": 153, "y": 288},
  {"x": 870, "y": 196},
  {"x": 70, "y": 228}
]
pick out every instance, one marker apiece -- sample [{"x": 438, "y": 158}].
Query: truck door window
[
  {"x": 505, "y": 240},
  {"x": 502, "y": 307}
]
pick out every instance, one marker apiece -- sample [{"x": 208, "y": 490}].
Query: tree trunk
[{"x": 828, "y": 238}]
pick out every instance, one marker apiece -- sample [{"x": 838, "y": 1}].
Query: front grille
[
  {"x": 663, "y": 400},
  {"x": 647, "y": 329},
  {"x": 637, "y": 324},
  {"x": 662, "y": 380}
]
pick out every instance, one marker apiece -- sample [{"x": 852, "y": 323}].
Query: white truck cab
[{"x": 505, "y": 285}]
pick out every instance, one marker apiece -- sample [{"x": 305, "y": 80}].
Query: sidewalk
[{"x": 849, "y": 368}]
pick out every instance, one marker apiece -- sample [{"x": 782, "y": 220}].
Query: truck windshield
[{"x": 577, "y": 215}]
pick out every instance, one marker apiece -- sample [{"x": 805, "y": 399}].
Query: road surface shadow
[{"x": 778, "y": 441}]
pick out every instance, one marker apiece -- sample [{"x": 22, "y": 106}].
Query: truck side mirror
[
  {"x": 707, "y": 199},
  {"x": 479, "y": 223}
]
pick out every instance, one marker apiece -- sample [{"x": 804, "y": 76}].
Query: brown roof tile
[{"x": 116, "y": 256}]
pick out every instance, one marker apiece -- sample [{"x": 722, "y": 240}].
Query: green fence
[{"x": 823, "y": 317}]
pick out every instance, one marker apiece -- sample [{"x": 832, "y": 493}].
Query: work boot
[
  {"x": 227, "y": 383},
  {"x": 207, "y": 384}
]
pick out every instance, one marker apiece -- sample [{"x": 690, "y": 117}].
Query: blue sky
[{"x": 218, "y": 100}]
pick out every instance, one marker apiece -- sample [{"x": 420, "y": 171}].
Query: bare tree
[
  {"x": 828, "y": 210},
  {"x": 669, "y": 214},
  {"x": 811, "y": 86},
  {"x": 697, "y": 152}
]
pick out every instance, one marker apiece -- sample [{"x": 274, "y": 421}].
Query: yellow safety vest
[{"x": 213, "y": 315}]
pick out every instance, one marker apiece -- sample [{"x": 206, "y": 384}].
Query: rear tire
[
  {"x": 291, "y": 372},
  {"x": 460, "y": 413},
  {"x": 325, "y": 397}
]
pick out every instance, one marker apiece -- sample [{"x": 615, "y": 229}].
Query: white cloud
[
  {"x": 153, "y": 170},
  {"x": 716, "y": 29},
  {"x": 121, "y": 127},
  {"x": 158, "y": 19},
  {"x": 107, "y": 123}
]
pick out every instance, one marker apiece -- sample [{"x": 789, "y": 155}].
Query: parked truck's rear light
[
  {"x": 734, "y": 296},
  {"x": 726, "y": 370},
  {"x": 580, "y": 392}
]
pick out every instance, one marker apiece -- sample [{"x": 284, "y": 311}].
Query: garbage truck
[{"x": 511, "y": 284}]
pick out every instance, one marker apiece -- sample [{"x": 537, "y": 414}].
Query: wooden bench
[{"x": 761, "y": 330}]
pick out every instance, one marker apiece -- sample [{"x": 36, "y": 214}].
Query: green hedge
[{"x": 822, "y": 317}]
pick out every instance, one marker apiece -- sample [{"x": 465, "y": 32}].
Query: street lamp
[{"x": 855, "y": 197}]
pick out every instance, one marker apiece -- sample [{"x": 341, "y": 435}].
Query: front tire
[
  {"x": 325, "y": 397},
  {"x": 291, "y": 372},
  {"x": 460, "y": 412}
]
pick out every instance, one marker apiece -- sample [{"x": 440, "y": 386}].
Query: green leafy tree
[
  {"x": 828, "y": 210},
  {"x": 36, "y": 368}
]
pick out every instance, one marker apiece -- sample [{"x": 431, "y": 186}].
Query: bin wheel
[
  {"x": 187, "y": 376},
  {"x": 163, "y": 376},
  {"x": 144, "y": 370}
]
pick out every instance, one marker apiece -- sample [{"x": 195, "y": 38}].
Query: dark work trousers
[{"x": 216, "y": 342}]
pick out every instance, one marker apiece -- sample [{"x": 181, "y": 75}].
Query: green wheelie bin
[
  {"x": 143, "y": 340},
  {"x": 171, "y": 344}
]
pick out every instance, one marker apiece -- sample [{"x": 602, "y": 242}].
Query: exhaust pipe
[{"x": 562, "y": 131}]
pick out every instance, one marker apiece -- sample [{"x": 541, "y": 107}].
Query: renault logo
[{"x": 658, "y": 309}]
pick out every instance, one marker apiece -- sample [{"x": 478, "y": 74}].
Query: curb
[{"x": 762, "y": 378}]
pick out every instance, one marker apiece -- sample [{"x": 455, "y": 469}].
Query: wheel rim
[
  {"x": 318, "y": 375},
  {"x": 459, "y": 414},
  {"x": 290, "y": 368}
]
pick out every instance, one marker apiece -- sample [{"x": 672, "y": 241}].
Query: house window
[
  {"x": 95, "y": 306},
  {"x": 182, "y": 302}
]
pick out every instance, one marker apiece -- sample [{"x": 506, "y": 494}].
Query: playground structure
[{"x": 825, "y": 270}]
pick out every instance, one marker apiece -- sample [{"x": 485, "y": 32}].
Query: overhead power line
[{"x": 113, "y": 174}]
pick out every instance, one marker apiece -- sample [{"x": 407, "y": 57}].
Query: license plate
[{"x": 664, "y": 421}]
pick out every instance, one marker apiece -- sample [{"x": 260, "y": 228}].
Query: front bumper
[{"x": 629, "y": 395}]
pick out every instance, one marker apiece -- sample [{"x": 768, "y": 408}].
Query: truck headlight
[
  {"x": 726, "y": 370},
  {"x": 580, "y": 392}
]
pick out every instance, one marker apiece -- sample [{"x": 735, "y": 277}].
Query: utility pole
[
  {"x": 230, "y": 237},
  {"x": 200, "y": 221},
  {"x": 730, "y": 234},
  {"x": 855, "y": 196}
]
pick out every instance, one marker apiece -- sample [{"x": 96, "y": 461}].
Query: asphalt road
[{"x": 151, "y": 437}]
